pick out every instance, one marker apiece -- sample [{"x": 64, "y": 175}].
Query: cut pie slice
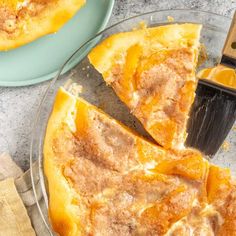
[
  {"x": 152, "y": 70},
  {"x": 22, "y": 21},
  {"x": 103, "y": 179}
]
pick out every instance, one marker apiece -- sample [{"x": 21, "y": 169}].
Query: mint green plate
[{"x": 40, "y": 60}]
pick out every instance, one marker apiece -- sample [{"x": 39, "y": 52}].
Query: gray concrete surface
[{"x": 18, "y": 105}]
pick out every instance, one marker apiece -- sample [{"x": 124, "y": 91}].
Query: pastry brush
[{"x": 214, "y": 109}]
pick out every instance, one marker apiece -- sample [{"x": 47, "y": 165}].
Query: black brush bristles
[{"x": 211, "y": 118}]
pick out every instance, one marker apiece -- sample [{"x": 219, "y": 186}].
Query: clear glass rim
[{"x": 43, "y": 100}]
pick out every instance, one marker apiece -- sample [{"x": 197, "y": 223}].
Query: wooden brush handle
[{"x": 229, "y": 49}]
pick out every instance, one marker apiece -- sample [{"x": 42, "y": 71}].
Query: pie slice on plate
[
  {"x": 22, "y": 21},
  {"x": 152, "y": 70},
  {"x": 104, "y": 179}
]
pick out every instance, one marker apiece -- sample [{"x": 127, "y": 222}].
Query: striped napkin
[{"x": 19, "y": 215}]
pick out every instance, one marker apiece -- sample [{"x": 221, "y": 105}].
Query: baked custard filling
[{"x": 106, "y": 180}]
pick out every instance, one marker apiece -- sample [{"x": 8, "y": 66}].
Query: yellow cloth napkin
[
  {"x": 17, "y": 199},
  {"x": 14, "y": 220}
]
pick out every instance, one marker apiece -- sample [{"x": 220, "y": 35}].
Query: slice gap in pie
[
  {"x": 105, "y": 180},
  {"x": 22, "y": 21},
  {"x": 152, "y": 70}
]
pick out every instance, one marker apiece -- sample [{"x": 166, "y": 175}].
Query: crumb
[
  {"x": 87, "y": 67},
  {"x": 83, "y": 68},
  {"x": 87, "y": 75},
  {"x": 202, "y": 54},
  {"x": 76, "y": 89},
  {"x": 225, "y": 146},
  {"x": 142, "y": 25},
  {"x": 170, "y": 18},
  {"x": 73, "y": 88}
]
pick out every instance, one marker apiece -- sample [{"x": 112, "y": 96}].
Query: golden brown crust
[{"x": 22, "y": 21}]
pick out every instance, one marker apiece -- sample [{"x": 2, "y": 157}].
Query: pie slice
[
  {"x": 105, "y": 180},
  {"x": 22, "y": 21},
  {"x": 152, "y": 70}
]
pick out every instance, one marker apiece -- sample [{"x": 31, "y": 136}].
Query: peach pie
[{"x": 104, "y": 179}]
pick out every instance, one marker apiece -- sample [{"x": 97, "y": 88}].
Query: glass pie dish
[{"x": 95, "y": 91}]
